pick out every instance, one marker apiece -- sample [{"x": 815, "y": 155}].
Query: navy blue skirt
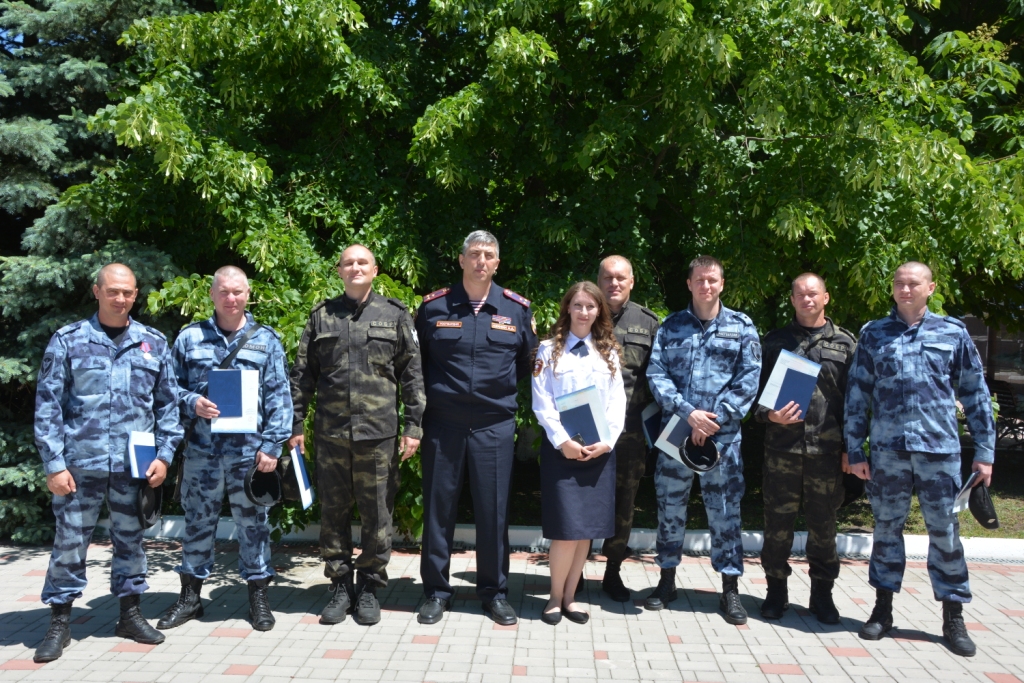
[{"x": 577, "y": 499}]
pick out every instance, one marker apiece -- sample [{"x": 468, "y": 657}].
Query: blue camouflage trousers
[
  {"x": 936, "y": 478},
  {"x": 722, "y": 489},
  {"x": 202, "y": 493},
  {"x": 76, "y": 515}
]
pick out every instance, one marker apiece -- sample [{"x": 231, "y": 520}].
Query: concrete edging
[{"x": 641, "y": 540}]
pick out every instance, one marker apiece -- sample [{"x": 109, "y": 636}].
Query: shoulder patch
[
  {"x": 522, "y": 301},
  {"x": 436, "y": 295},
  {"x": 399, "y": 304}
]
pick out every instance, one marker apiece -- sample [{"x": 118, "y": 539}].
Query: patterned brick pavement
[{"x": 688, "y": 642}]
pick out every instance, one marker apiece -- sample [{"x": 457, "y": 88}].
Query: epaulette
[
  {"x": 743, "y": 316},
  {"x": 155, "y": 332},
  {"x": 68, "y": 329},
  {"x": 318, "y": 306},
  {"x": 846, "y": 332},
  {"x": 399, "y": 304},
  {"x": 959, "y": 323},
  {"x": 522, "y": 301},
  {"x": 436, "y": 295},
  {"x": 649, "y": 312}
]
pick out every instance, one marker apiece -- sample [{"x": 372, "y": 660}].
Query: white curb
[{"x": 641, "y": 540}]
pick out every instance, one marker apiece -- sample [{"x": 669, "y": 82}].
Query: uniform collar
[
  {"x": 616, "y": 317},
  {"x": 717, "y": 320},
  {"x": 928, "y": 317},
  {"x": 572, "y": 339},
  {"x": 360, "y": 306},
  {"x": 458, "y": 294},
  {"x": 212, "y": 324},
  {"x": 131, "y": 336},
  {"x": 826, "y": 332}
]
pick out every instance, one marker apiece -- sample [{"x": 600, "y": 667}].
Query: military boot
[
  {"x": 188, "y": 605},
  {"x": 259, "y": 606},
  {"x": 133, "y": 625},
  {"x": 612, "y": 582},
  {"x": 955, "y": 631},
  {"x": 57, "y": 637},
  {"x": 821, "y": 601},
  {"x": 777, "y": 601},
  {"x": 367, "y": 609},
  {"x": 880, "y": 621},
  {"x": 341, "y": 601},
  {"x": 664, "y": 593},
  {"x": 729, "y": 601}
]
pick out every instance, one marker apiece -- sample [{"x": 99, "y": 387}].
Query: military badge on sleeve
[
  {"x": 533, "y": 324},
  {"x": 755, "y": 351},
  {"x": 47, "y": 366},
  {"x": 538, "y": 367}
]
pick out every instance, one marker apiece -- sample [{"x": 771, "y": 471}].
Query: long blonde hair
[{"x": 602, "y": 331}]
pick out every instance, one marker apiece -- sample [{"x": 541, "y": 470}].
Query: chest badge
[
  {"x": 504, "y": 328},
  {"x": 449, "y": 323},
  {"x": 146, "y": 348},
  {"x": 501, "y": 319}
]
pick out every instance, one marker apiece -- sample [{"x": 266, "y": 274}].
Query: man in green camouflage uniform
[
  {"x": 635, "y": 327},
  {"x": 356, "y": 352},
  {"x": 804, "y": 455}
]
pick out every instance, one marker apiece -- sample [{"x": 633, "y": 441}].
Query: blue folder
[
  {"x": 225, "y": 390},
  {"x": 797, "y": 387},
  {"x": 140, "y": 457},
  {"x": 580, "y": 420}
]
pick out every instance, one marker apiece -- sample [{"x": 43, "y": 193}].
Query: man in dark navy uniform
[{"x": 477, "y": 340}]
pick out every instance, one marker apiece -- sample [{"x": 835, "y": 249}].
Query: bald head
[
  {"x": 357, "y": 251},
  {"x": 615, "y": 278},
  {"x": 923, "y": 270},
  {"x": 615, "y": 262},
  {"x": 807, "y": 277},
  {"x": 115, "y": 270},
  {"x": 226, "y": 273},
  {"x": 357, "y": 267}
]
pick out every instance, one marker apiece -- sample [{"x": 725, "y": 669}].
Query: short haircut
[
  {"x": 480, "y": 237},
  {"x": 101, "y": 275},
  {"x": 373, "y": 257},
  {"x": 229, "y": 272},
  {"x": 917, "y": 264},
  {"x": 614, "y": 258},
  {"x": 807, "y": 276},
  {"x": 705, "y": 261}
]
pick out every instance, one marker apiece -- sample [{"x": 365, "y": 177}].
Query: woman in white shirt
[{"x": 577, "y": 480}]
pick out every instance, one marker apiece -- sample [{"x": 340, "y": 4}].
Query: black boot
[
  {"x": 367, "y": 609},
  {"x": 729, "y": 601},
  {"x": 664, "y": 593},
  {"x": 341, "y": 601},
  {"x": 955, "y": 631},
  {"x": 57, "y": 637},
  {"x": 821, "y": 601},
  {"x": 612, "y": 583},
  {"x": 259, "y": 606},
  {"x": 777, "y": 600},
  {"x": 188, "y": 606},
  {"x": 880, "y": 621},
  {"x": 133, "y": 625}
]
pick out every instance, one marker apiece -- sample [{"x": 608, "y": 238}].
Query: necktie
[{"x": 580, "y": 349}]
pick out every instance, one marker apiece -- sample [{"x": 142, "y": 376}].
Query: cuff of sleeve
[
  {"x": 54, "y": 466},
  {"x": 855, "y": 456},
  {"x": 761, "y": 414},
  {"x": 299, "y": 428},
  {"x": 165, "y": 457},
  {"x": 413, "y": 432},
  {"x": 270, "y": 448},
  {"x": 559, "y": 437},
  {"x": 983, "y": 454},
  {"x": 190, "y": 407}
]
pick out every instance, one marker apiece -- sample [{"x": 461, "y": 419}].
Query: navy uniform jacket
[
  {"x": 91, "y": 394},
  {"x": 471, "y": 363},
  {"x": 904, "y": 384}
]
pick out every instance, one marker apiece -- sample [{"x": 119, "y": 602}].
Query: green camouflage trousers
[
  {"x": 366, "y": 474},
  {"x": 817, "y": 480},
  {"x": 630, "y": 460}
]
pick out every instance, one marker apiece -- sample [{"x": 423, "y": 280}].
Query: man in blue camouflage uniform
[
  {"x": 908, "y": 371},
  {"x": 100, "y": 380},
  {"x": 477, "y": 341},
  {"x": 704, "y": 367},
  {"x": 217, "y": 462}
]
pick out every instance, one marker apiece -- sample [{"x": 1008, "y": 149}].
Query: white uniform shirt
[{"x": 573, "y": 373}]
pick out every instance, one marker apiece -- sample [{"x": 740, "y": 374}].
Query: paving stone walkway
[{"x": 688, "y": 642}]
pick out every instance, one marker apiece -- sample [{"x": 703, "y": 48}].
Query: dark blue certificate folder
[
  {"x": 141, "y": 453},
  {"x": 580, "y": 420},
  {"x": 797, "y": 387},
  {"x": 225, "y": 390}
]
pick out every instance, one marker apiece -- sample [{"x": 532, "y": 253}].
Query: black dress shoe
[
  {"x": 502, "y": 612},
  {"x": 576, "y": 617},
  {"x": 432, "y": 610},
  {"x": 551, "y": 617}
]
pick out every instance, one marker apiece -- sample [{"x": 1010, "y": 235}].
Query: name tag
[
  {"x": 255, "y": 347},
  {"x": 638, "y": 330},
  {"x": 501, "y": 319},
  {"x": 834, "y": 347},
  {"x": 449, "y": 323},
  {"x": 382, "y": 323},
  {"x": 723, "y": 334},
  {"x": 504, "y": 328}
]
